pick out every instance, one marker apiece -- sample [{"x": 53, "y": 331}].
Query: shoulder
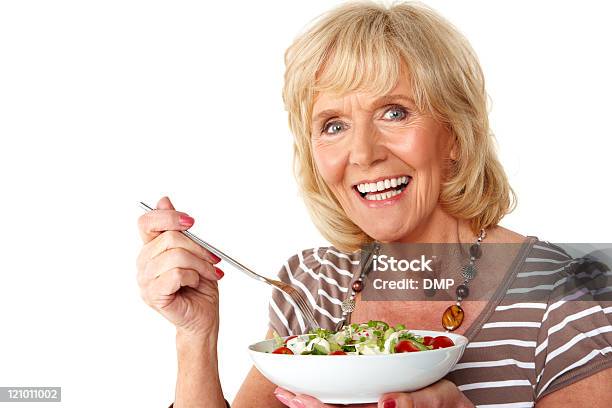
[
  {"x": 548, "y": 251},
  {"x": 499, "y": 234},
  {"x": 544, "y": 256},
  {"x": 575, "y": 336},
  {"x": 563, "y": 267},
  {"x": 547, "y": 274},
  {"x": 563, "y": 297}
]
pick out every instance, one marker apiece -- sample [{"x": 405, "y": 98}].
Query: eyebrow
[{"x": 378, "y": 101}]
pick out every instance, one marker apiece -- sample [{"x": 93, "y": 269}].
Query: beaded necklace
[{"x": 453, "y": 316}]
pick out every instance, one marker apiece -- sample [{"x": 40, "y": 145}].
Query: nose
[{"x": 366, "y": 148}]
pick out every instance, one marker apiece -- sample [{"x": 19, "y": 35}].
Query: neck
[{"x": 439, "y": 227}]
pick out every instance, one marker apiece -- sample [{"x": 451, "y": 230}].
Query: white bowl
[{"x": 355, "y": 379}]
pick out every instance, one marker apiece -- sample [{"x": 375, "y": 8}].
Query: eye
[
  {"x": 336, "y": 125},
  {"x": 399, "y": 111}
]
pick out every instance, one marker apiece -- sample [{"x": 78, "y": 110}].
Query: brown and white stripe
[{"x": 540, "y": 335}]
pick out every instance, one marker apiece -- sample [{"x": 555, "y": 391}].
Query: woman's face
[{"x": 383, "y": 160}]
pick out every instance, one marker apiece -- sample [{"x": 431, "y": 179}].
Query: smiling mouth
[{"x": 382, "y": 189}]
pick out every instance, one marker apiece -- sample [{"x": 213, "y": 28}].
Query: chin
[{"x": 385, "y": 232}]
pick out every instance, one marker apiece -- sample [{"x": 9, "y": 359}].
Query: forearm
[{"x": 198, "y": 382}]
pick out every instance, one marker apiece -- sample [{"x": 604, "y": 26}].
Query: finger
[
  {"x": 171, "y": 281},
  {"x": 306, "y": 401},
  {"x": 152, "y": 223},
  {"x": 398, "y": 400},
  {"x": 173, "y": 239},
  {"x": 293, "y": 400},
  {"x": 179, "y": 258},
  {"x": 443, "y": 393},
  {"x": 283, "y": 395},
  {"x": 164, "y": 203}
]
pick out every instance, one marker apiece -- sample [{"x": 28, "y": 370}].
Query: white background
[{"x": 105, "y": 103}]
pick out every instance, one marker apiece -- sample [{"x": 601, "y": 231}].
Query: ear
[
  {"x": 453, "y": 144},
  {"x": 454, "y": 154}
]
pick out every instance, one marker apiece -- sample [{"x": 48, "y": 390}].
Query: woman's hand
[
  {"x": 177, "y": 276},
  {"x": 443, "y": 394}
]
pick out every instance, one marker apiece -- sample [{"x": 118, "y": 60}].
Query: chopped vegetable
[
  {"x": 289, "y": 338},
  {"x": 371, "y": 338},
  {"x": 406, "y": 346},
  {"x": 442, "y": 342},
  {"x": 282, "y": 350}
]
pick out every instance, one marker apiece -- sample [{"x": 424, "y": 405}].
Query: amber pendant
[{"x": 452, "y": 317}]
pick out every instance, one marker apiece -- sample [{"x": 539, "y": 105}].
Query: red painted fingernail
[
  {"x": 389, "y": 404},
  {"x": 282, "y": 398},
  {"x": 215, "y": 258},
  {"x": 186, "y": 220},
  {"x": 219, "y": 273}
]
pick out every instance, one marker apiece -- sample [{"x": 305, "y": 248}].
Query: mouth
[{"x": 382, "y": 189}]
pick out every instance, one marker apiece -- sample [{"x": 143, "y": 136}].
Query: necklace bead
[
  {"x": 348, "y": 305},
  {"x": 452, "y": 317},
  {"x": 358, "y": 285},
  {"x": 468, "y": 271},
  {"x": 462, "y": 291},
  {"x": 475, "y": 251}
]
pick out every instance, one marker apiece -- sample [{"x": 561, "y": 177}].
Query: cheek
[
  {"x": 419, "y": 150},
  {"x": 330, "y": 161}
]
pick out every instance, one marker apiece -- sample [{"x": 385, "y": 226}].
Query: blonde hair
[{"x": 362, "y": 45}]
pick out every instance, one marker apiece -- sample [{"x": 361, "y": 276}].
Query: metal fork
[{"x": 295, "y": 295}]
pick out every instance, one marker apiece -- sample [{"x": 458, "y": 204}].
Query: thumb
[
  {"x": 398, "y": 400},
  {"x": 164, "y": 203},
  {"x": 305, "y": 401}
]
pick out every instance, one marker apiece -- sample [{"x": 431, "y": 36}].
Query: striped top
[{"x": 520, "y": 349}]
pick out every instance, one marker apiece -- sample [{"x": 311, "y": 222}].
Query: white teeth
[
  {"x": 385, "y": 184},
  {"x": 382, "y": 196}
]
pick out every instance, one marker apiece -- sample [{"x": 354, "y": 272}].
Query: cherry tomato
[
  {"x": 442, "y": 342},
  {"x": 337, "y": 353},
  {"x": 427, "y": 340},
  {"x": 282, "y": 350},
  {"x": 405, "y": 346},
  {"x": 289, "y": 338}
]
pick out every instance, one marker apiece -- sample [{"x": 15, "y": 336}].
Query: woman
[{"x": 392, "y": 144}]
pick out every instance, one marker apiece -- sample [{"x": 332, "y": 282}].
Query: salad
[{"x": 373, "y": 337}]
